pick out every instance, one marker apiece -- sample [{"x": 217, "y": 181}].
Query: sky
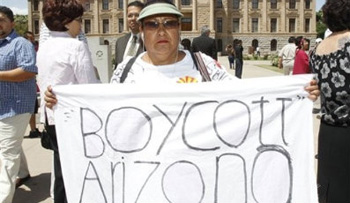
[{"x": 21, "y": 6}]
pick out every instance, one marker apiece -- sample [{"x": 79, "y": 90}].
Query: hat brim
[{"x": 159, "y": 8}]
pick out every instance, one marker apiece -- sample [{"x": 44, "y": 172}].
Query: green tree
[
  {"x": 320, "y": 26},
  {"x": 21, "y": 24}
]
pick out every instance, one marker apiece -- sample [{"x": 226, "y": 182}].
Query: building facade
[{"x": 266, "y": 24}]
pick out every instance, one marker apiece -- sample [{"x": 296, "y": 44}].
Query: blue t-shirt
[{"x": 17, "y": 97}]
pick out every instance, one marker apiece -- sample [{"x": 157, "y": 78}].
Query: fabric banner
[{"x": 248, "y": 140}]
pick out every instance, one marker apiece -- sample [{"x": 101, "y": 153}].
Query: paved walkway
[{"x": 37, "y": 189}]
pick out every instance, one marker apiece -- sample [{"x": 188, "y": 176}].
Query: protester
[
  {"x": 238, "y": 48},
  {"x": 301, "y": 62},
  {"x": 330, "y": 61},
  {"x": 130, "y": 44},
  {"x": 286, "y": 57},
  {"x": 205, "y": 44},
  {"x": 62, "y": 59},
  {"x": 230, "y": 55},
  {"x": 186, "y": 43},
  {"x": 17, "y": 98}
]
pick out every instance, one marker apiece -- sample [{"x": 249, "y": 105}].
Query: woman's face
[
  {"x": 74, "y": 27},
  {"x": 161, "y": 34}
]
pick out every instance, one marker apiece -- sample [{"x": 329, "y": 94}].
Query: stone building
[{"x": 258, "y": 23}]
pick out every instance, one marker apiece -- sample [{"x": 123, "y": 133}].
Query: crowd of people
[{"x": 152, "y": 50}]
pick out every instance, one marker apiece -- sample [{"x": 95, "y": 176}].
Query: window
[
  {"x": 36, "y": 5},
  {"x": 291, "y": 4},
  {"x": 255, "y": 4},
  {"x": 219, "y": 45},
  {"x": 273, "y": 45},
  {"x": 105, "y": 24},
  {"x": 185, "y": 2},
  {"x": 273, "y": 25},
  {"x": 235, "y": 25},
  {"x": 219, "y": 25},
  {"x": 236, "y": 4},
  {"x": 292, "y": 25},
  {"x": 87, "y": 26},
  {"x": 105, "y": 4},
  {"x": 307, "y": 25},
  {"x": 186, "y": 24},
  {"x": 121, "y": 4},
  {"x": 307, "y": 4},
  {"x": 87, "y": 6},
  {"x": 273, "y": 4},
  {"x": 219, "y": 4},
  {"x": 120, "y": 25},
  {"x": 255, "y": 24},
  {"x": 36, "y": 26}
]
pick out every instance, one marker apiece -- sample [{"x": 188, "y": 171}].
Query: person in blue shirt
[{"x": 17, "y": 98}]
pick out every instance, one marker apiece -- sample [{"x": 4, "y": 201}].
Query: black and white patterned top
[{"x": 333, "y": 76}]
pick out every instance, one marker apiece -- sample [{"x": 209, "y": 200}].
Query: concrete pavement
[{"x": 37, "y": 189}]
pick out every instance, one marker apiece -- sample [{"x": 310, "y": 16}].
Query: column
[
  {"x": 96, "y": 25},
  {"x": 177, "y": 4},
  {"x": 313, "y": 20},
  {"x": 125, "y": 16},
  {"x": 301, "y": 17},
  {"x": 264, "y": 22},
  {"x": 283, "y": 21},
  {"x": 211, "y": 16},
  {"x": 194, "y": 15},
  {"x": 245, "y": 16},
  {"x": 30, "y": 17}
]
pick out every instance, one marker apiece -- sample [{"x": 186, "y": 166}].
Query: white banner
[{"x": 244, "y": 141}]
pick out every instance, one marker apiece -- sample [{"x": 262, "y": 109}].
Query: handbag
[{"x": 46, "y": 140}]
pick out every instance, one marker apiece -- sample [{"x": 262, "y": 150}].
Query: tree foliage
[
  {"x": 320, "y": 26},
  {"x": 21, "y": 24}
]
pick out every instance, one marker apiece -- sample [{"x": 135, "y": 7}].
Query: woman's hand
[
  {"x": 313, "y": 90},
  {"x": 50, "y": 98}
]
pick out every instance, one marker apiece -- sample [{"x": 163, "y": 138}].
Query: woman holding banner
[{"x": 330, "y": 61}]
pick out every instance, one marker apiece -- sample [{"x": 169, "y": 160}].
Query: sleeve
[
  {"x": 26, "y": 56},
  {"x": 216, "y": 71},
  {"x": 84, "y": 69},
  {"x": 44, "y": 34}
]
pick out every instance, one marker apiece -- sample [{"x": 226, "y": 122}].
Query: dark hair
[
  {"x": 291, "y": 40},
  {"x": 336, "y": 15},
  {"x": 58, "y": 13},
  {"x": 136, "y": 4},
  {"x": 149, "y": 2},
  {"x": 299, "y": 41},
  {"x": 8, "y": 12},
  {"x": 186, "y": 43}
]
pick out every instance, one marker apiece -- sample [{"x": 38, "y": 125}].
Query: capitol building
[{"x": 266, "y": 24}]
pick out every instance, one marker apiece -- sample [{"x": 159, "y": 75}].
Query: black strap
[
  {"x": 197, "y": 60},
  {"x": 127, "y": 69}
]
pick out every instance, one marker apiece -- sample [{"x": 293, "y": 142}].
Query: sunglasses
[{"x": 167, "y": 24}]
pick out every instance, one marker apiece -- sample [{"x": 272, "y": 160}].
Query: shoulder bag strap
[
  {"x": 127, "y": 69},
  {"x": 202, "y": 67}
]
